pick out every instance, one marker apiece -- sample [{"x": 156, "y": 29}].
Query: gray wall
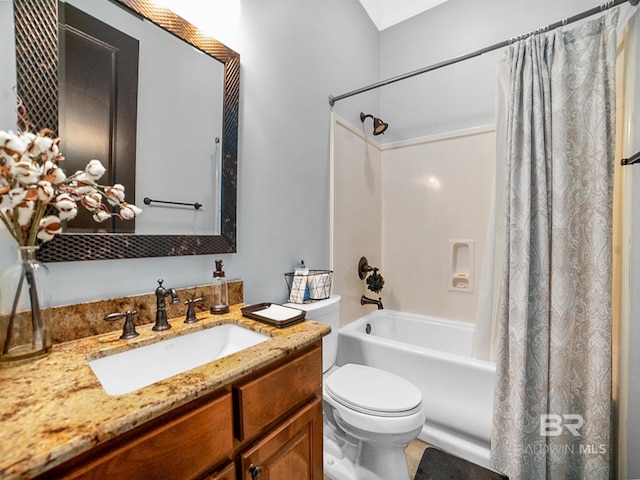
[
  {"x": 462, "y": 95},
  {"x": 293, "y": 56},
  {"x": 8, "y": 70}
]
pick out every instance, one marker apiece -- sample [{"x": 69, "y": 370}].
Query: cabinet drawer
[
  {"x": 181, "y": 447},
  {"x": 265, "y": 399}
]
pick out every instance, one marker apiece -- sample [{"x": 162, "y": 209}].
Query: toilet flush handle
[{"x": 255, "y": 471}]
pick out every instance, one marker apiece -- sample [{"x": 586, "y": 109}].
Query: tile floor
[{"x": 414, "y": 454}]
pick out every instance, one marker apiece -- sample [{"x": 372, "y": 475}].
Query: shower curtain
[
  {"x": 552, "y": 409},
  {"x": 485, "y": 338}
]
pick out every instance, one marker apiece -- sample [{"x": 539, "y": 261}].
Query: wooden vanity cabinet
[
  {"x": 267, "y": 425},
  {"x": 181, "y": 444},
  {"x": 282, "y": 409}
]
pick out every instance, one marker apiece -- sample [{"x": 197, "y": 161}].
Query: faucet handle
[
  {"x": 129, "y": 329},
  {"x": 191, "y": 311}
]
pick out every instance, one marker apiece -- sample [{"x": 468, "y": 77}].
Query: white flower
[
  {"x": 95, "y": 169},
  {"x": 101, "y": 216},
  {"x": 128, "y": 211},
  {"x": 53, "y": 173},
  {"x": 6, "y": 137},
  {"x": 17, "y": 196},
  {"x": 67, "y": 208},
  {"x": 44, "y": 145},
  {"x": 84, "y": 178},
  {"x": 6, "y": 157},
  {"x": 26, "y": 172},
  {"x": 135, "y": 209},
  {"x": 12, "y": 144},
  {"x": 92, "y": 201},
  {"x": 27, "y": 138},
  {"x": 46, "y": 193},
  {"x": 79, "y": 191},
  {"x": 9, "y": 146},
  {"x": 31, "y": 179},
  {"x": 5, "y": 203},
  {"x": 50, "y": 226},
  {"x": 115, "y": 194},
  {"x": 25, "y": 212}
]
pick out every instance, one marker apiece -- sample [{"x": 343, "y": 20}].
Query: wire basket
[{"x": 309, "y": 288}]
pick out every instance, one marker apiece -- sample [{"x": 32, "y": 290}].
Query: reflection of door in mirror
[{"x": 98, "y": 72}]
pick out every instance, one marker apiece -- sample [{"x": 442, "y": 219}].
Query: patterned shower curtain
[{"x": 552, "y": 410}]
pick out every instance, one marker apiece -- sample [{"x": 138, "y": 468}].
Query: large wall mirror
[{"x": 176, "y": 141}]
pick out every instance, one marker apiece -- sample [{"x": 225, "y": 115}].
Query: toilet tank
[{"x": 325, "y": 311}]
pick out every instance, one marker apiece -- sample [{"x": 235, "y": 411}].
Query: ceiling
[{"x": 386, "y": 13}]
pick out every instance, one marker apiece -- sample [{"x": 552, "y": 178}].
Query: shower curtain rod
[{"x": 477, "y": 53}]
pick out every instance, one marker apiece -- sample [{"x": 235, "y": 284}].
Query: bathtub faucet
[{"x": 370, "y": 301}]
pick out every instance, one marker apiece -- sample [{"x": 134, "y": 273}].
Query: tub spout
[{"x": 370, "y": 301}]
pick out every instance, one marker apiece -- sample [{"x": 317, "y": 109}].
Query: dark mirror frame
[{"x": 36, "y": 25}]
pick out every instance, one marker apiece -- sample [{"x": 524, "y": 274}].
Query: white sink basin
[{"x": 128, "y": 371}]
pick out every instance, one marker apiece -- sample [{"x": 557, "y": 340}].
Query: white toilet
[{"x": 369, "y": 415}]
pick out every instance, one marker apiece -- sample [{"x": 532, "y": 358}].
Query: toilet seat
[{"x": 373, "y": 391}]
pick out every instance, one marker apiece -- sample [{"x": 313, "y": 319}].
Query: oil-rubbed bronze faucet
[
  {"x": 161, "y": 312},
  {"x": 129, "y": 328},
  {"x": 191, "y": 310},
  {"x": 370, "y": 301}
]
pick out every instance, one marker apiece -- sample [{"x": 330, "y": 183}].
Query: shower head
[{"x": 378, "y": 125}]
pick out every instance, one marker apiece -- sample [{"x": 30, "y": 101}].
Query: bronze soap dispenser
[{"x": 220, "y": 291}]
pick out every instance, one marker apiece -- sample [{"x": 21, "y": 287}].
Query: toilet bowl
[
  {"x": 370, "y": 415},
  {"x": 376, "y": 412}
]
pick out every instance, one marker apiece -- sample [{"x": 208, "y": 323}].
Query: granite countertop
[{"x": 55, "y": 408}]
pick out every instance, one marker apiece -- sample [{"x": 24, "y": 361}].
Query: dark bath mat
[{"x": 439, "y": 465}]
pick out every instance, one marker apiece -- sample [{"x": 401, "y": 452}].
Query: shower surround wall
[
  {"x": 399, "y": 205},
  {"x": 435, "y": 189},
  {"x": 356, "y": 214}
]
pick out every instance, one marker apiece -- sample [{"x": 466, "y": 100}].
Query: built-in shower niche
[{"x": 461, "y": 254}]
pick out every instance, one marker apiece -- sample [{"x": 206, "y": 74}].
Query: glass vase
[{"x": 25, "y": 312}]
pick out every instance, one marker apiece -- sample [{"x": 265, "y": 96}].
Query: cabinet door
[{"x": 293, "y": 451}]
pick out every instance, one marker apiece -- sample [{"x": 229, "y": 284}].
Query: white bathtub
[{"x": 434, "y": 355}]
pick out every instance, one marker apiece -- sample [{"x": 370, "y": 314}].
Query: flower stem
[
  {"x": 35, "y": 223},
  {"x": 36, "y": 319}
]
